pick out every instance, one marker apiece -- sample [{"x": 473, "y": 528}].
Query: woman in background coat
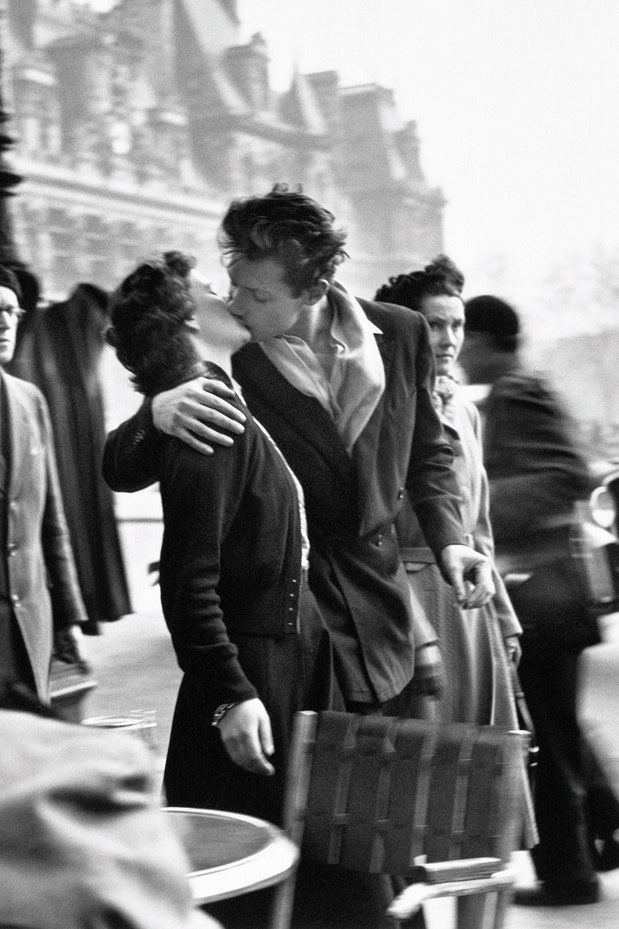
[{"x": 478, "y": 645}]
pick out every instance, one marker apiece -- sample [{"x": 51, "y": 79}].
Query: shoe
[{"x": 575, "y": 893}]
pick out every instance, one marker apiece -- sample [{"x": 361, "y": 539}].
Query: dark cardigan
[{"x": 231, "y": 551}]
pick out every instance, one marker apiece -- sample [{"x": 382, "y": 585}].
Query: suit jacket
[
  {"x": 84, "y": 845},
  {"x": 356, "y": 573},
  {"x": 535, "y": 470},
  {"x": 40, "y": 566}
]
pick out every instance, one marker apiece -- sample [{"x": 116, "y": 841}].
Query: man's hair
[
  {"x": 149, "y": 310},
  {"x": 440, "y": 277},
  {"x": 288, "y": 227}
]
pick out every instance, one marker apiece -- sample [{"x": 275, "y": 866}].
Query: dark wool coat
[
  {"x": 534, "y": 466},
  {"x": 59, "y": 350}
]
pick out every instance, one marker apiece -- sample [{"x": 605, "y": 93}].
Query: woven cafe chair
[{"x": 373, "y": 793}]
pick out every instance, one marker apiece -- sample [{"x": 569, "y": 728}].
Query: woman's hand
[
  {"x": 185, "y": 411},
  {"x": 246, "y": 733},
  {"x": 513, "y": 649},
  {"x": 470, "y": 574}
]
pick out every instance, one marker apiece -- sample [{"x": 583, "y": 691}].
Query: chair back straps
[{"x": 382, "y": 791}]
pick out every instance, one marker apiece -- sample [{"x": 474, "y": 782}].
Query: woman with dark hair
[
  {"x": 245, "y": 628},
  {"x": 476, "y": 645}
]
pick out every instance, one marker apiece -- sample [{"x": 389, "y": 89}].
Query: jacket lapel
[
  {"x": 304, "y": 415},
  {"x": 20, "y": 434}
]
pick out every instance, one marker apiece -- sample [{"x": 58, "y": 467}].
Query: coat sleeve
[
  {"x": 67, "y": 604},
  {"x": 431, "y": 481},
  {"x": 131, "y": 454},
  {"x": 536, "y": 472},
  {"x": 484, "y": 543},
  {"x": 201, "y": 496}
]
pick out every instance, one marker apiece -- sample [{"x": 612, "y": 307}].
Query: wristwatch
[{"x": 220, "y": 712}]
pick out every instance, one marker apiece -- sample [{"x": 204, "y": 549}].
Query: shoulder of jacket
[
  {"x": 24, "y": 390},
  {"x": 391, "y": 316},
  {"x": 243, "y": 445},
  {"x": 524, "y": 384}
]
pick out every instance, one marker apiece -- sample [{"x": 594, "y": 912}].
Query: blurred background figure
[
  {"x": 536, "y": 476},
  {"x": 39, "y": 594},
  {"x": 59, "y": 349},
  {"x": 84, "y": 844}
]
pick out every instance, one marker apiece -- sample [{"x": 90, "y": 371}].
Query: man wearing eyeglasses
[{"x": 38, "y": 581}]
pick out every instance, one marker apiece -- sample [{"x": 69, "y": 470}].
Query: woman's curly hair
[
  {"x": 286, "y": 226},
  {"x": 149, "y": 311},
  {"x": 440, "y": 277}
]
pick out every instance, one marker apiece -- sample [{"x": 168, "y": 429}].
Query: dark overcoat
[{"x": 59, "y": 349}]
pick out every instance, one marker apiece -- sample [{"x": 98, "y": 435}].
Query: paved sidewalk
[{"x": 136, "y": 670}]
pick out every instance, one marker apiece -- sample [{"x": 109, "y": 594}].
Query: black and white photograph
[{"x": 309, "y": 464}]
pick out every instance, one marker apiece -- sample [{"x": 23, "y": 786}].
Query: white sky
[{"x": 516, "y": 103}]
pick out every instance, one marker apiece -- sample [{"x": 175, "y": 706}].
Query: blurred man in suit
[{"x": 536, "y": 475}]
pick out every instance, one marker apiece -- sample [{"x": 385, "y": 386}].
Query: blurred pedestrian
[
  {"x": 536, "y": 475},
  {"x": 40, "y": 600},
  {"x": 245, "y": 628}
]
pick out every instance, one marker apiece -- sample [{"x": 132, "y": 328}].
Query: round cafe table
[{"x": 230, "y": 854}]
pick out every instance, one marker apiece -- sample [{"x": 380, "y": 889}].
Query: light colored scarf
[
  {"x": 445, "y": 386},
  {"x": 357, "y": 382}
]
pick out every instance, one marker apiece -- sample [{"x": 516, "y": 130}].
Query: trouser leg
[{"x": 549, "y": 683}]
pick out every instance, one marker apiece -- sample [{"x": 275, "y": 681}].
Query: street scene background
[{"x": 478, "y": 128}]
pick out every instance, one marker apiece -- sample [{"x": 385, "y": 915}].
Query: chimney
[{"x": 248, "y": 68}]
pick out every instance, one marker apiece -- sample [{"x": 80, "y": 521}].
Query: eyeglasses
[{"x": 13, "y": 312}]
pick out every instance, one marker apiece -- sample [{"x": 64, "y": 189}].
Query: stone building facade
[{"x": 134, "y": 128}]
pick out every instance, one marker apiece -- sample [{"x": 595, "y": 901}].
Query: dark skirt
[{"x": 290, "y": 673}]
